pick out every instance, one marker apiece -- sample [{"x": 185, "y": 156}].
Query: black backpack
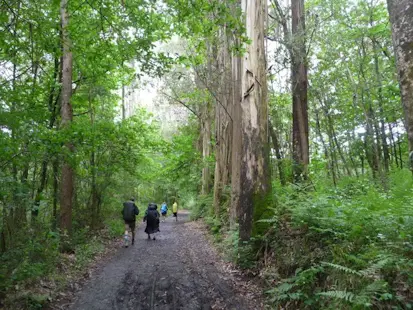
[
  {"x": 129, "y": 211},
  {"x": 152, "y": 215}
]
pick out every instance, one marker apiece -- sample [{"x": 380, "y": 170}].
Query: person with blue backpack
[{"x": 164, "y": 211}]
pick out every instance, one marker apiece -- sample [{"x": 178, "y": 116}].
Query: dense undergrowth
[
  {"x": 35, "y": 271},
  {"x": 326, "y": 247}
]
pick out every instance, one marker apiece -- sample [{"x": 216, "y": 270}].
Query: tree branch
[
  {"x": 181, "y": 102},
  {"x": 282, "y": 20},
  {"x": 213, "y": 94},
  {"x": 82, "y": 113}
]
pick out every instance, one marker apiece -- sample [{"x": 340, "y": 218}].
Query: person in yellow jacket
[{"x": 175, "y": 210}]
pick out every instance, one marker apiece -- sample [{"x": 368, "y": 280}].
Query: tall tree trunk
[
  {"x": 333, "y": 154},
  {"x": 393, "y": 145},
  {"x": 353, "y": 163},
  {"x": 401, "y": 18},
  {"x": 55, "y": 191},
  {"x": 123, "y": 103},
  {"x": 371, "y": 147},
  {"x": 380, "y": 134},
  {"x": 252, "y": 172},
  {"x": 383, "y": 135},
  {"x": 236, "y": 139},
  {"x": 299, "y": 87},
  {"x": 67, "y": 185},
  {"x": 14, "y": 138},
  {"x": 337, "y": 145},
  {"x": 330, "y": 165},
  {"x": 399, "y": 143},
  {"x": 52, "y": 104},
  {"x": 95, "y": 215},
  {"x": 276, "y": 145},
  {"x": 223, "y": 153},
  {"x": 206, "y": 147},
  {"x": 223, "y": 121},
  {"x": 21, "y": 208}
]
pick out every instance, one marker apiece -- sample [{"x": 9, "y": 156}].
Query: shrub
[{"x": 356, "y": 237}]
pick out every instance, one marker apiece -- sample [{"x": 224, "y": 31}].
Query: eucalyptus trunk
[
  {"x": 250, "y": 172},
  {"x": 206, "y": 146},
  {"x": 401, "y": 18},
  {"x": 223, "y": 121}
]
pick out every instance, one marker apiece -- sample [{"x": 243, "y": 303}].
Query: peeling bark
[
  {"x": 401, "y": 18},
  {"x": 251, "y": 182},
  {"x": 223, "y": 122}
]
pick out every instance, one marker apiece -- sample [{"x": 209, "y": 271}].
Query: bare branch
[
  {"x": 82, "y": 113},
  {"x": 283, "y": 21},
  {"x": 181, "y": 102},
  {"x": 213, "y": 94}
]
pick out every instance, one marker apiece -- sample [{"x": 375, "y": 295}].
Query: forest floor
[{"x": 178, "y": 270}]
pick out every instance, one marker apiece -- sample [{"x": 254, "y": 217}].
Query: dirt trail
[{"x": 179, "y": 270}]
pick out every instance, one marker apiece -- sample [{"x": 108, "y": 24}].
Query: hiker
[
  {"x": 164, "y": 210},
  {"x": 129, "y": 213},
  {"x": 152, "y": 220},
  {"x": 175, "y": 210}
]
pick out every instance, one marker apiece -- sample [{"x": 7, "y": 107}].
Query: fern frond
[
  {"x": 371, "y": 270},
  {"x": 270, "y": 221},
  {"x": 342, "y": 268},
  {"x": 344, "y": 295},
  {"x": 281, "y": 297},
  {"x": 366, "y": 295},
  {"x": 379, "y": 286},
  {"x": 285, "y": 287}
]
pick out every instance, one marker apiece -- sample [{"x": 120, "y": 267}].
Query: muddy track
[{"x": 177, "y": 271}]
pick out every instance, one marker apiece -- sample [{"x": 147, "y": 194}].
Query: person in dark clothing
[
  {"x": 152, "y": 220},
  {"x": 129, "y": 213}
]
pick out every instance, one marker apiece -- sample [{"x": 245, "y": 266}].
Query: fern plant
[
  {"x": 366, "y": 294},
  {"x": 297, "y": 289}
]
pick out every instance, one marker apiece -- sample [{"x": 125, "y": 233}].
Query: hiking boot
[{"x": 149, "y": 237}]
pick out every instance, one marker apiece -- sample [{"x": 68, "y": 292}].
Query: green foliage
[
  {"x": 116, "y": 227},
  {"x": 181, "y": 165},
  {"x": 32, "y": 258},
  {"x": 297, "y": 289},
  {"x": 85, "y": 252},
  {"x": 356, "y": 237},
  {"x": 347, "y": 296},
  {"x": 201, "y": 207},
  {"x": 339, "y": 241}
]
